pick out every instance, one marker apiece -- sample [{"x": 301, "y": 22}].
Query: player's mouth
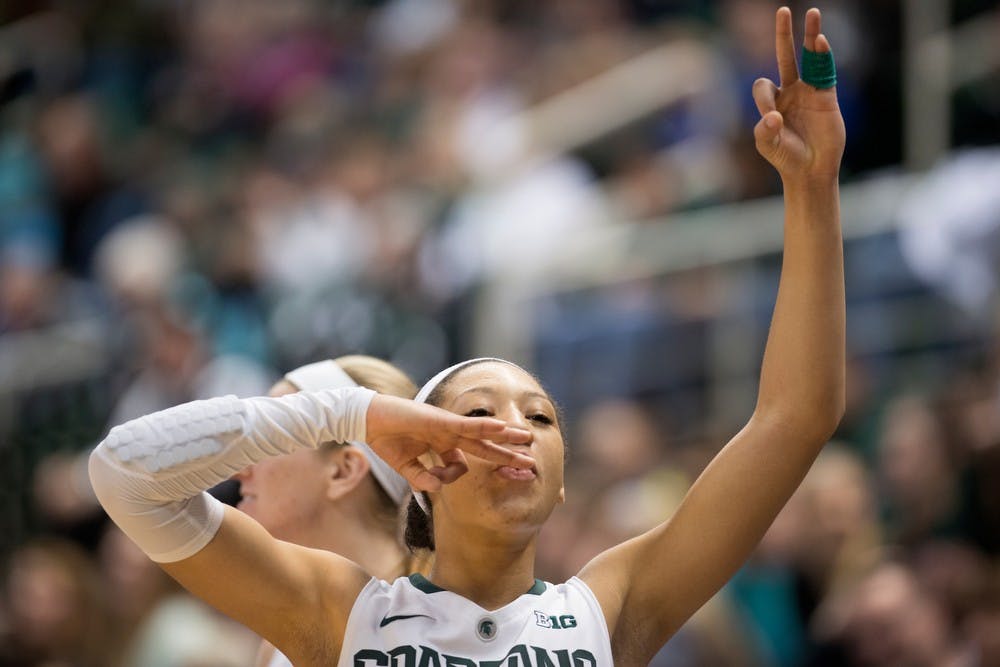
[{"x": 517, "y": 474}]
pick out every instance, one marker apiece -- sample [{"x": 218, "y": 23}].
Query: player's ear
[{"x": 346, "y": 468}]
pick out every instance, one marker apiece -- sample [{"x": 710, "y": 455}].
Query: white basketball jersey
[
  {"x": 278, "y": 659},
  {"x": 413, "y": 623}
]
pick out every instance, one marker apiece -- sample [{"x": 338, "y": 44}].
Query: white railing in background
[
  {"x": 649, "y": 82},
  {"x": 48, "y": 357}
]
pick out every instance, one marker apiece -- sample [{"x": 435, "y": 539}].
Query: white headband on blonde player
[
  {"x": 329, "y": 375},
  {"x": 429, "y": 388}
]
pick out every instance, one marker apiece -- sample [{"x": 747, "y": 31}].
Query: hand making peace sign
[{"x": 801, "y": 132}]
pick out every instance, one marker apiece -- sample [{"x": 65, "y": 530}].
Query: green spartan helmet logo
[{"x": 486, "y": 628}]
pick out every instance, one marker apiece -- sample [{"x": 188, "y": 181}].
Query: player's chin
[
  {"x": 524, "y": 512},
  {"x": 521, "y": 494}
]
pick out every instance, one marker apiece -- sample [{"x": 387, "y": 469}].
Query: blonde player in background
[
  {"x": 484, "y": 511},
  {"x": 340, "y": 497}
]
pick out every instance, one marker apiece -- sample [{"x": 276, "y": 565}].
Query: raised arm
[
  {"x": 649, "y": 586},
  {"x": 149, "y": 474}
]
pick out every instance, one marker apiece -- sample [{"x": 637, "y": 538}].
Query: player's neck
[
  {"x": 345, "y": 534},
  {"x": 378, "y": 554},
  {"x": 487, "y": 569}
]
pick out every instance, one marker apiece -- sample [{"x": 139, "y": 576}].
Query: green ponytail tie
[{"x": 818, "y": 69}]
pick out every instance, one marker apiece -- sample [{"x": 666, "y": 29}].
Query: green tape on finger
[{"x": 818, "y": 69}]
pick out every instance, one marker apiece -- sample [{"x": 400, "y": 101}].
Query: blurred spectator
[
  {"x": 62, "y": 492},
  {"x": 87, "y": 199},
  {"x": 825, "y": 539},
  {"x": 892, "y": 620},
  {"x": 138, "y": 262},
  {"x": 618, "y": 456},
  {"x": 981, "y": 627},
  {"x": 617, "y": 440},
  {"x": 54, "y": 608},
  {"x": 923, "y": 493},
  {"x": 955, "y": 574},
  {"x": 156, "y": 623},
  {"x": 172, "y": 352}
]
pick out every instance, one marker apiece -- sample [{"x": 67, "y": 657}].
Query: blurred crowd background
[{"x": 196, "y": 196}]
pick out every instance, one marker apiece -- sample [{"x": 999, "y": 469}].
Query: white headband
[
  {"x": 429, "y": 388},
  {"x": 329, "y": 375}
]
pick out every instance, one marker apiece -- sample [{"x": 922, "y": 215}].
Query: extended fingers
[
  {"x": 813, "y": 20},
  {"x": 483, "y": 428},
  {"x": 784, "y": 47},
  {"x": 492, "y": 452}
]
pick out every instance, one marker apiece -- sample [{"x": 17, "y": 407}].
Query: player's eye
[
  {"x": 479, "y": 412},
  {"x": 541, "y": 418}
]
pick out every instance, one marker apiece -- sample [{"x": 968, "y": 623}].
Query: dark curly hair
[{"x": 419, "y": 532}]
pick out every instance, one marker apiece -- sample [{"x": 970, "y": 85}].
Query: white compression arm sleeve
[{"x": 150, "y": 473}]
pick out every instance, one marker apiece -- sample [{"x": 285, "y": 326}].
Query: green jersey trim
[{"x": 421, "y": 583}]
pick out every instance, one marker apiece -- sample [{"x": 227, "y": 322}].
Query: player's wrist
[
  {"x": 808, "y": 191},
  {"x": 810, "y": 184}
]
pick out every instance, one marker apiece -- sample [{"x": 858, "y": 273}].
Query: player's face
[
  {"x": 285, "y": 494},
  {"x": 491, "y": 495}
]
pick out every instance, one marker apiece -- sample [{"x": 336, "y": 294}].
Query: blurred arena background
[{"x": 198, "y": 195}]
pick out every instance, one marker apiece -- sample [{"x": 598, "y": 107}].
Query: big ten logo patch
[{"x": 562, "y": 622}]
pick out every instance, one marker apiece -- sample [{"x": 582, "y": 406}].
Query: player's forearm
[
  {"x": 802, "y": 377},
  {"x": 150, "y": 473}
]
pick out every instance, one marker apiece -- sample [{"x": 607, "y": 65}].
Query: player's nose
[{"x": 515, "y": 417}]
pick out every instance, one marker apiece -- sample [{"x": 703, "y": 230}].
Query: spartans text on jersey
[{"x": 518, "y": 656}]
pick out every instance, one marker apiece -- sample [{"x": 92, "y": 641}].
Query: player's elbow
[
  {"x": 828, "y": 410},
  {"x": 826, "y": 419},
  {"x": 811, "y": 419}
]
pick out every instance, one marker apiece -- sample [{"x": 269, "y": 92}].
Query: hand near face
[
  {"x": 400, "y": 431},
  {"x": 801, "y": 132}
]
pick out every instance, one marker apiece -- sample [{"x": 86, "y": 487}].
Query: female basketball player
[
  {"x": 484, "y": 606},
  {"x": 339, "y": 497}
]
